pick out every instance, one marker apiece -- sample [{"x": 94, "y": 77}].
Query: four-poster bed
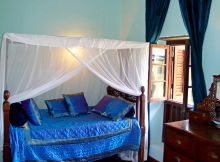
[
  {"x": 138, "y": 100},
  {"x": 51, "y": 61}
]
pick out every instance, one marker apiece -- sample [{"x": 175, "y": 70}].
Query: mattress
[{"x": 80, "y": 138}]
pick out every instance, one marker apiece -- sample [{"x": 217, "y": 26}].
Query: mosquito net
[{"x": 31, "y": 65}]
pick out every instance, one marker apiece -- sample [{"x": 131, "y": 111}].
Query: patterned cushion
[
  {"x": 100, "y": 107},
  {"x": 57, "y": 107},
  {"x": 113, "y": 107},
  {"x": 32, "y": 111},
  {"x": 17, "y": 115},
  {"x": 76, "y": 103},
  {"x": 117, "y": 109}
]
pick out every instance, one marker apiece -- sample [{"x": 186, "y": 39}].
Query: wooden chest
[{"x": 190, "y": 142}]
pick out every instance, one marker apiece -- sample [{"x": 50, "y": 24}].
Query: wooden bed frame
[{"x": 138, "y": 100}]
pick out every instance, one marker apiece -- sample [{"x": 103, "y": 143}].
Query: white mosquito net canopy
[{"x": 31, "y": 65}]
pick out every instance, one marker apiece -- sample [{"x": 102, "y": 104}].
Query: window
[
  {"x": 170, "y": 71},
  {"x": 158, "y": 72}
]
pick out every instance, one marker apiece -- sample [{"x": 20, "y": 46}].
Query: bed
[
  {"x": 86, "y": 137},
  {"x": 32, "y": 65}
]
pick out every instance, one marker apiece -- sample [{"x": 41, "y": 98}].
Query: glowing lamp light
[
  {"x": 77, "y": 51},
  {"x": 74, "y": 50}
]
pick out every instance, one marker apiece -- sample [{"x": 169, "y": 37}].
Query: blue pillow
[
  {"x": 117, "y": 109},
  {"x": 57, "y": 107},
  {"x": 32, "y": 111},
  {"x": 113, "y": 107},
  {"x": 100, "y": 107},
  {"x": 17, "y": 115},
  {"x": 76, "y": 103}
]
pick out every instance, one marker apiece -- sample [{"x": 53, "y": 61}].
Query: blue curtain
[
  {"x": 195, "y": 15},
  {"x": 156, "y": 11}
]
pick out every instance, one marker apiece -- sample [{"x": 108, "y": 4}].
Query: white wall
[
  {"x": 173, "y": 25},
  {"x": 90, "y": 18},
  {"x": 211, "y": 51},
  {"x": 132, "y": 25}
]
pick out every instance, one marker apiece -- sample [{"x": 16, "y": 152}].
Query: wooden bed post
[
  {"x": 142, "y": 125},
  {"x": 6, "y": 109}
]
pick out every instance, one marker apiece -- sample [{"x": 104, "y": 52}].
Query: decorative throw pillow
[
  {"x": 113, "y": 107},
  {"x": 101, "y": 106},
  {"x": 17, "y": 115},
  {"x": 32, "y": 111},
  {"x": 76, "y": 103},
  {"x": 118, "y": 108},
  {"x": 57, "y": 107}
]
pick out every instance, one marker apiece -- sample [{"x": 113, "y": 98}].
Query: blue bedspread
[{"x": 81, "y": 138}]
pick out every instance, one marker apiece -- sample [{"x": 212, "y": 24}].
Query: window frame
[
  {"x": 169, "y": 42},
  {"x": 166, "y": 89}
]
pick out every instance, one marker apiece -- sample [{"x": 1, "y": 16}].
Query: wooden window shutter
[{"x": 178, "y": 85}]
